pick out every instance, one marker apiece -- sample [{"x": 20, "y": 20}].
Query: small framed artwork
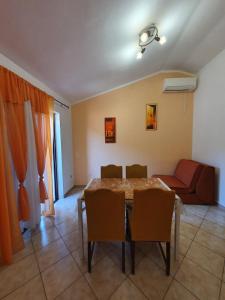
[
  {"x": 110, "y": 130},
  {"x": 151, "y": 116}
]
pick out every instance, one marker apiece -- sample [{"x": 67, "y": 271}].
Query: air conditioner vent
[{"x": 186, "y": 84}]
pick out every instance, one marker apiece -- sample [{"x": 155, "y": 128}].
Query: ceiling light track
[{"x": 146, "y": 37}]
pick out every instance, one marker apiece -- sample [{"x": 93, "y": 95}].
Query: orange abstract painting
[
  {"x": 151, "y": 117},
  {"x": 110, "y": 130}
]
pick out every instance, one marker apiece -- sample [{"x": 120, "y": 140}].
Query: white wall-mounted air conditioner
[{"x": 186, "y": 84}]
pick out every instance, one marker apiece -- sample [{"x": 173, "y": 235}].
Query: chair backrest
[
  {"x": 111, "y": 171},
  {"x": 105, "y": 215},
  {"x": 152, "y": 215},
  {"x": 136, "y": 171}
]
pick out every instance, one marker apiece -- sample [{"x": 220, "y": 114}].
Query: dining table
[{"x": 128, "y": 186}]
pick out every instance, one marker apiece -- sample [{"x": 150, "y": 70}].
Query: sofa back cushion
[{"x": 188, "y": 172}]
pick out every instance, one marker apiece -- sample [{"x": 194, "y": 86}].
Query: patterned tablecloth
[{"x": 127, "y": 185}]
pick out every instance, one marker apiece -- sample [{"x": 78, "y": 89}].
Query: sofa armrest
[{"x": 206, "y": 187}]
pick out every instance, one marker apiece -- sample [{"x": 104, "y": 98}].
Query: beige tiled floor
[{"x": 51, "y": 266}]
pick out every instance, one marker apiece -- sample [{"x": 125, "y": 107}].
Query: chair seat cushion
[{"x": 174, "y": 184}]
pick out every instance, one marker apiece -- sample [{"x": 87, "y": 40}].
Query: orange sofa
[{"x": 193, "y": 181}]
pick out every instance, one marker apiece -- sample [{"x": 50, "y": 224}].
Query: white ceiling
[{"x": 80, "y": 48}]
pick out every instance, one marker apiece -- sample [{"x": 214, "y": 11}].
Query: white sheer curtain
[{"x": 32, "y": 173}]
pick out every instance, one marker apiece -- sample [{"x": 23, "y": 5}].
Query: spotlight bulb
[
  {"x": 144, "y": 37},
  {"x": 139, "y": 55},
  {"x": 162, "y": 40}
]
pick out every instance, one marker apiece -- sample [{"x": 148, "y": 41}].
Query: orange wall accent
[{"x": 160, "y": 149}]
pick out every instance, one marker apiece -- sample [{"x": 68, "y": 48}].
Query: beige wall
[{"x": 160, "y": 149}]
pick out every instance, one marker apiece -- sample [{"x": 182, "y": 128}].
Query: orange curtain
[
  {"x": 49, "y": 120},
  {"x": 15, "y": 120},
  {"x": 14, "y": 91},
  {"x": 42, "y": 131},
  {"x": 41, "y": 150},
  {"x": 10, "y": 236}
]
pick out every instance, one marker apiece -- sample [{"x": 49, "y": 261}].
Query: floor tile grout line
[
  {"x": 180, "y": 265},
  {"x": 55, "y": 262},
  {"x": 188, "y": 214},
  {"x": 145, "y": 255},
  {"x": 175, "y": 279},
  {"x": 93, "y": 291},
  {"x": 23, "y": 258},
  {"x": 106, "y": 255},
  {"x": 203, "y": 247},
  {"x": 140, "y": 290},
  {"x": 82, "y": 275},
  {"x": 40, "y": 249},
  {"x": 116, "y": 288},
  {"x": 209, "y": 232},
  {"x": 134, "y": 283},
  {"x": 42, "y": 281},
  {"x": 212, "y": 274},
  {"x": 185, "y": 256},
  {"x": 220, "y": 225},
  {"x": 115, "y": 266},
  {"x": 215, "y": 222},
  {"x": 69, "y": 286},
  {"x": 222, "y": 281},
  {"x": 25, "y": 283},
  {"x": 69, "y": 253},
  {"x": 209, "y": 248},
  {"x": 195, "y": 264},
  {"x": 203, "y": 208}
]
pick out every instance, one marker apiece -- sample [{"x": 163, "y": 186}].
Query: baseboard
[
  {"x": 72, "y": 188},
  {"x": 81, "y": 186},
  {"x": 221, "y": 205}
]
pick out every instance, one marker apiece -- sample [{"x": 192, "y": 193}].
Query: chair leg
[
  {"x": 123, "y": 257},
  {"x": 89, "y": 256},
  {"x": 168, "y": 258},
  {"x": 132, "y": 248},
  {"x": 127, "y": 225}
]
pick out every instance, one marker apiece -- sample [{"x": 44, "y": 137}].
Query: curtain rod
[{"x": 62, "y": 104}]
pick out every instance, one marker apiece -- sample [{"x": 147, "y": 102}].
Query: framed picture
[
  {"x": 151, "y": 116},
  {"x": 110, "y": 130}
]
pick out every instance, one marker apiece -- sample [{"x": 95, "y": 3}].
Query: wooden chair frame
[{"x": 91, "y": 247}]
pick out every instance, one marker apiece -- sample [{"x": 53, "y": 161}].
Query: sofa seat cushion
[
  {"x": 174, "y": 183},
  {"x": 188, "y": 171}
]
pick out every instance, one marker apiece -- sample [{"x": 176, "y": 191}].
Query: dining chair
[
  {"x": 136, "y": 171},
  {"x": 111, "y": 171},
  {"x": 105, "y": 219},
  {"x": 150, "y": 220}
]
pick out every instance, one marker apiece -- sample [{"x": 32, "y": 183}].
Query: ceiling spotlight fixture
[
  {"x": 147, "y": 36},
  {"x": 140, "y": 53}
]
